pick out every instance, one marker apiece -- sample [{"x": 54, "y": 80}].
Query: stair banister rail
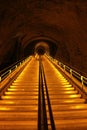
[
  {"x": 82, "y": 79},
  {"x": 8, "y": 70}
]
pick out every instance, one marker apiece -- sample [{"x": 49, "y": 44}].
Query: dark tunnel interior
[
  {"x": 40, "y": 50},
  {"x": 30, "y": 48},
  {"x": 61, "y": 24}
]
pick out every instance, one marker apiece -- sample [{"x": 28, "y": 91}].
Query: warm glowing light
[
  {"x": 70, "y": 92},
  {"x": 74, "y": 96},
  {"x": 69, "y": 101},
  {"x": 10, "y": 93},
  {"x": 4, "y": 108},
  {"x": 6, "y": 97},
  {"x": 81, "y": 106},
  {"x": 69, "y": 89}
]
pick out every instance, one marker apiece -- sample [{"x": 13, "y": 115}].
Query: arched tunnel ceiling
[{"x": 63, "y": 22}]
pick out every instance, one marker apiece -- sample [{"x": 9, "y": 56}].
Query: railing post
[
  {"x": 60, "y": 64},
  {"x": 64, "y": 67},
  {"x": 9, "y": 71},
  {"x": 0, "y": 79},
  {"x": 82, "y": 81},
  {"x": 71, "y": 72},
  {"x": 16, "y": 66}
]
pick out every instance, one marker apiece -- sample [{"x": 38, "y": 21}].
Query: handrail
[
  {"x": 39, "y": 102},
  {"x": 82, "y": 79},
  {"x": 10, "y": 66},
  {"x": 48, "y": 101},
  {"x": 43, "y": 101},
  {"x": 42, "y": 114},
  {"x": 5, "y": 72},
  {"x": 11, "y": 76}
]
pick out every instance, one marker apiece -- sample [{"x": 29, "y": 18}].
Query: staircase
[
  {"x": 68, "y": 107},
  {"x": 19, "y": 104}
]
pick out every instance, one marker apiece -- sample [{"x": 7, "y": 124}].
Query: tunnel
[
  {"x": 41, "y": 45},
  {"x": 25, "y": 24},
  {"x": 43, "y": 64},
  {"x": 42, "y": 48}
]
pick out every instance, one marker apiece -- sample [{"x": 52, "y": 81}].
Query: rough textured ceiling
[{"x": 61, "y": 23}]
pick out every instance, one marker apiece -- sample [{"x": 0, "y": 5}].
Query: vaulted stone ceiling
[{"x": 62, "y": 24}]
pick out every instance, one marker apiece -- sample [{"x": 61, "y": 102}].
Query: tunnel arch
[
  {"x": 29, "y": 46},
  {"x": 41, "y": 48}
]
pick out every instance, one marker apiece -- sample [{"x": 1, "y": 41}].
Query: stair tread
[
  {"x": 17, "y": 117},
  {"x": 74, "y": 114},
  {"x": 21, "y": 102},
  {"x": 63, "y": 91},
  {"x": 23, "y": 89},
  {"x": 20, "y": 97},
  {"x": 76, "y": 124},
  {"x": 71, "y": 101},
  {"x": 64, "y": 96},
  {"x": 21, "y": 93},
  {"x": 18, "y": 108},
  {"x": 18, "y": 125},
  {"x": 62, "y": 107}
]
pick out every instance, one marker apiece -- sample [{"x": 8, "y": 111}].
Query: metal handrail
[
  {"x": 43, "y": 94},
  {"x": 10, "y": 66},
  {"x": 82, "y": 79},
  {"x": 42, "y": 114},
  {"x": 48, "y": 101},
  {"x": 5, "y": 72}
]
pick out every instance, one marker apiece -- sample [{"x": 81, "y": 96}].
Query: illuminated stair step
[
  {"x": 57, "y": 83},
  {"x": 20, "y": 97},
  {"x": 62, "y": 77},
  {"x": 61, "y": 90},
  {"x": 56, "y": 90},
  {"x": 30, "y": 83},
  {"x": 28, "y": 108},
  {"x": 33, "y": 93},
  {"x": 66, "y": 92},
  {"x": 56, "y": 96},
  {"x": 22, "y": 90},
  {"x": 65, "y": 83},
  {"x": 18, "y": 125},
  {"x": 59, "y": 86},
  {"x": 24, "y": 81},
  {"x": 19, "y": 102},
  {"x": 69, "y": 107},
  {"x": 18, "y": 116},
  {"x": 50, "y": 88},
  {"x": 74, "y": 114},
  {"x": 24, "y": 86},
  {"x": 66, "y": 101},
  {"x": 77, "y": 124}
]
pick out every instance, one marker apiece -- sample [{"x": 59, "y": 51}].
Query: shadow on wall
[
  {"x": 11, "y": 53},
  {"x": 62, "y": 53}
]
